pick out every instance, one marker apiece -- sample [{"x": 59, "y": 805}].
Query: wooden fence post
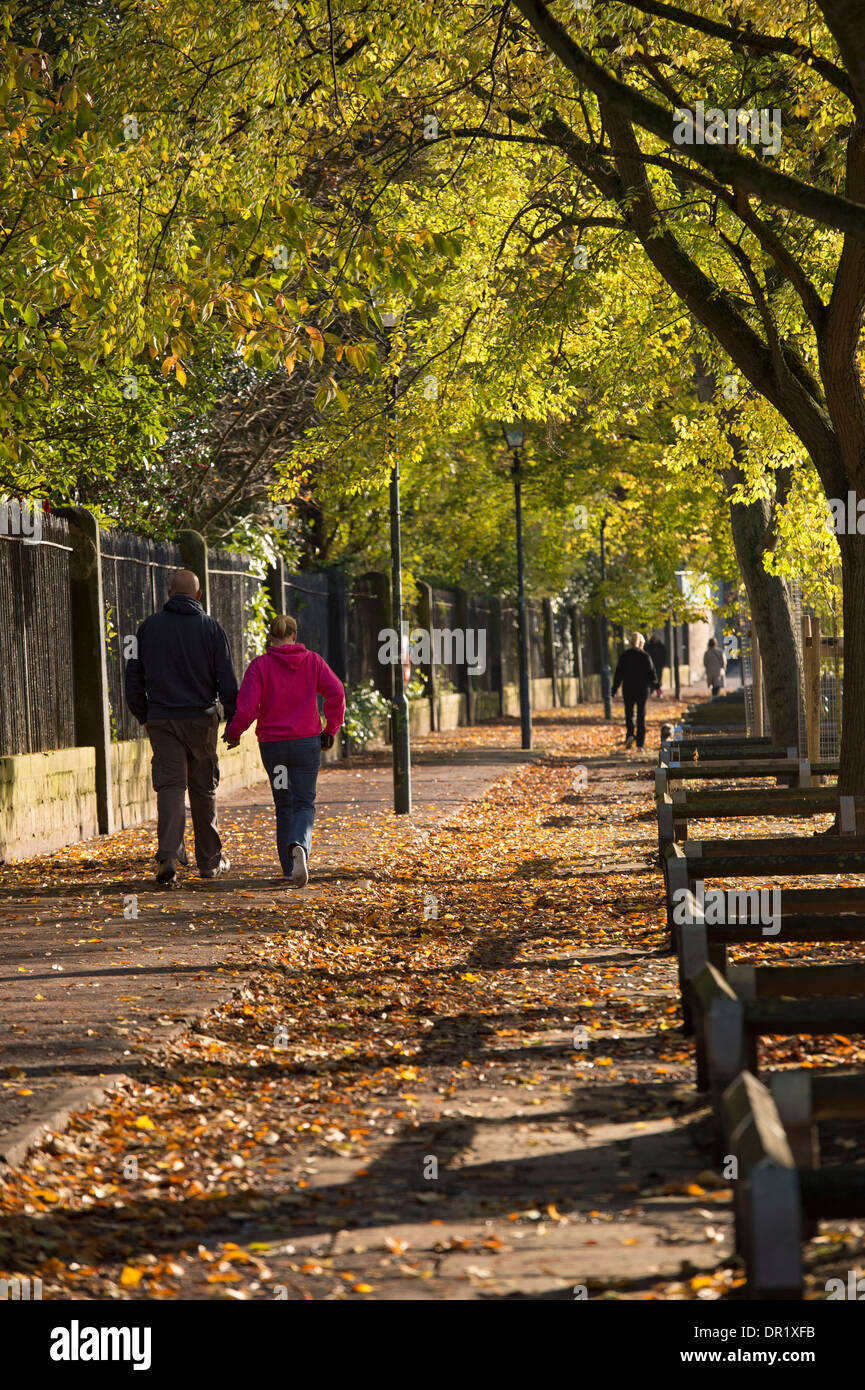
[
  {"x": 386, "y": 681},
  {"x": 494, "y": 643},
  {"x": 576, "y": 625},
  {"x": 89, "y": 655},
  {"x": 193, "y": 548},
  {"x": 425, "y": 609},
  {"x": 275, "y": 585},
  {"x": 464, "y": 684},
  {"x": 550, "y": 648},
  {"x": 337, "y": 623}
]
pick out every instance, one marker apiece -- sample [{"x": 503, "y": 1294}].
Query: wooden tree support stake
[
  {"x": 757, "y": 683},
  {"x": 811, "y": 673}
]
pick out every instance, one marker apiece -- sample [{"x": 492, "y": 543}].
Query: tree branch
[
  {"x": 797, "y": 400},
  {"x": 750, "y": 38},
  {"x": 740, "y": 171}
]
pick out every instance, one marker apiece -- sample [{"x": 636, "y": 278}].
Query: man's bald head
[{"x": 184, "y": 582}]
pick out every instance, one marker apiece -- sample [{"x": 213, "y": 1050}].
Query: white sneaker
[
  {"x": 299, "y": 873},
  {"x": 222, "y": 868}
]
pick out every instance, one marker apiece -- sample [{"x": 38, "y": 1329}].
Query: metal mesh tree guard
[
  {"x": 795, "y": 592},
  {"x": 821, "y": 637},
  {"x": 818, "y": 630}
]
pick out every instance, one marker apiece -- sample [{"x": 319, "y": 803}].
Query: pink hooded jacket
[{"x": 279, "y": 689}]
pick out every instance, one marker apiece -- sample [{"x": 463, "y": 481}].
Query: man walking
[
  {"x": 182, "y": 663},
  {"x": 636, "y": 675}
]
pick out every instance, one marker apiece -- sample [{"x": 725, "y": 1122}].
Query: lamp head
[{"x": 514, "y": 436}]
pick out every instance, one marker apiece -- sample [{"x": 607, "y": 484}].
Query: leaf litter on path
[{"x": 460, "y": 1075}]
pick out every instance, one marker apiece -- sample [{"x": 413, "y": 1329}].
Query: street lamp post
[
  {"x": 606, "y": 671},
  {"x": 399, "y": 708},
  {"x": 515, "y": 438}
]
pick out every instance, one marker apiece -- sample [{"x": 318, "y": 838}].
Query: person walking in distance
[
  {"x": 636, "y": 675},
  {"x": 280, "y": 690},
  {"x": 657, "y": 652},
  {"x": 715, "y": 665},
  {"x": 182, "y": 663}
]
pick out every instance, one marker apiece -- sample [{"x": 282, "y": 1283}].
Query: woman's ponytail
[{"x": 282, "y": 628}]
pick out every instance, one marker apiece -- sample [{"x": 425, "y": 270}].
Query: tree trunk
[
  {"x": 768, "y": 596},
  {"x": 773, "y": 618}
]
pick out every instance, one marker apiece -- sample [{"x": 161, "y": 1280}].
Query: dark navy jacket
[
  {"x": 635, "y": 673},
  {"x": 183, "y": 663}
]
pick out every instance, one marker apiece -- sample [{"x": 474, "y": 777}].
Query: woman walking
[
  {"x": 715, "y": 664},
  {"x": 280, "y": 691}
]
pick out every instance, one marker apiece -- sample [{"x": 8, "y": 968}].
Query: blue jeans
[{"x": 292, "y": 766}]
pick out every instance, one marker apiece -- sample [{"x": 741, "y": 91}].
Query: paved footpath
[
  {"x": 369, "y": 1104},
  {"x": 97, "y": 962}
]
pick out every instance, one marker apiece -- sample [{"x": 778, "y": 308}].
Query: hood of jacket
[
  {"x": 182, "y": 603},
  {"x": 292, "y": 655}
]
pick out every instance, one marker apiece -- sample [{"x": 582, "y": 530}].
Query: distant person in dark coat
[
  {"x": 636, "y": 675},
  {"x": 182, "y": 664},
  {"x": 657, "y": 653}
]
